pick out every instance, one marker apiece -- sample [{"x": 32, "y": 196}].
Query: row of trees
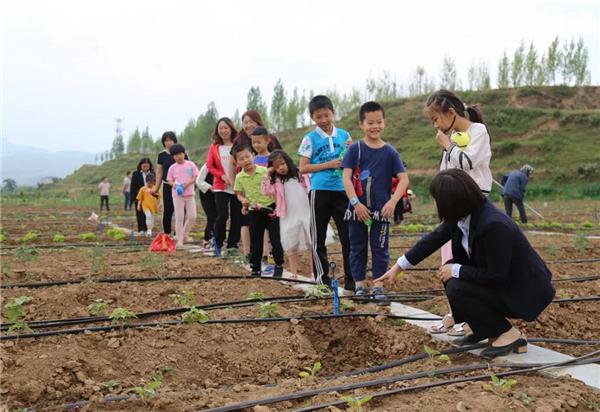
[{"x": 566, "y": 64}]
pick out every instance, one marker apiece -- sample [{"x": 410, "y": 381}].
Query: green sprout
[
  {"x": 268, "y": 310},
  {"x": 15, "y": 312},
  {"x": 99, "y": 307},
  {"x": 498, "y": 386},
  {"x": 310, "y": 372},
  {"x": 121, "y": 316},
  {"x": 356, "y": 404},
  {"x": 58, "y": 238},
  {"x": 26, "y": 253},
  {"x": 195, "y": 315},
  {"x": 435, "y": 355},
  {"x": 98, "y": 260},
  {"x": 318, "y": 291},
  {"x": 111, "y": 385},
  {"x": 184, "y": 298},
  {"x": 87, "y": 236},
  {"x": 256, "y": 296},
  {"x": 115, "y": 234},
  {"x": 149, "y": 390},
  {"x": 153, "y": 263},
  {"x": 28, "y": 237}
]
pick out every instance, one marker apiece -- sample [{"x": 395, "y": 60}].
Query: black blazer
[
  {"x": 500, "y": 258},
  {"x": 137, "y": 182}
]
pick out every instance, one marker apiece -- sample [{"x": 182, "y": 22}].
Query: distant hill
[
  {"x": 555, "y": 129},
  {"x": 29, "y": 165}
]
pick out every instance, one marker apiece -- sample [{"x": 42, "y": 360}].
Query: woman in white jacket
[{"x": 207, "y": 200}]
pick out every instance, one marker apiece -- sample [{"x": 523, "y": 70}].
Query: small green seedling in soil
[
  {"x": 268, "y": 310},
  {"x": 2, "y": 237},
  {"x": 526, "y": 399},
  {"x": 498, "y": 386},
  {"x": 111, "y": 385},
  {"x": 116, "y": 234},
  {"x": 87, "y": 236},
  {"x": 587, "y": 224},
  {"x": 256, "y": 296},
  {"x": 310, "y": 372},
  {"x": 58, "y": 238},
  {"x": 356, "y": 404},
  {"x": 346, "y": 306},
  {"x": 581, "y": 243},
  {"x": 571, "y": 226},
  {"x": 121, "y": 316},
  {"x": 435, "y": 355},
  {"x": 318, "y": 291},
  {"x": 195, "y": 315},
  {"x": 26, "y": 253},
  {"x": 97, "y": 260},
  {"x": 149, "y": 389},
  {"x": 153, "y": 263},
  {"x": 184, "y": 298},
  {"x": 99, "y": 307},
  {"x": 28, "y": 237},
  {"x": 14, "y": 313}
]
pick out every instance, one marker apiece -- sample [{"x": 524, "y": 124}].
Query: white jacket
[
  {"x": 474, "y": 159},
  {"x": 201, "y": 180}
]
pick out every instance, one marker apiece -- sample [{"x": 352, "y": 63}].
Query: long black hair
[
  {"x": 444, "y": 100},
  {"x": 144, "y": 160},
  {"x": 293, "y": 172}
]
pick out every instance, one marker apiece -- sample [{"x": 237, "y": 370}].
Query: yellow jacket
[{"x": 148, "y": 201}]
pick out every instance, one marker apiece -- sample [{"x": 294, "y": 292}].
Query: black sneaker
[
  {"x": 255, "y": 273},
  {"x": 278, "y": 272}
]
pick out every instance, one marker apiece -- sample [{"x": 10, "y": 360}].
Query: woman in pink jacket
[{"x": 221, "y": 165}]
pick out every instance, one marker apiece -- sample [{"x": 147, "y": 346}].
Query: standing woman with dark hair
[
  {"x": 164, "y": 162},
  {"x": 251, "y": 119},
  {"x": 465, "y": 141},
  {"x": 495, "y": 273},
  {"x": 138, "y": 180},
  {"x": 222, "y": 166}
]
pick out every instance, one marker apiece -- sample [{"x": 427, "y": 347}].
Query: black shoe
[
  {"x": 255, "y": 273},
  {"x": 278, "y": 272},
  {"x": 467, "y": 340},
  {"x": 326, "y": 280},
  {"x": 349, "y": 285},
  {"x": 518, "y": 346}
]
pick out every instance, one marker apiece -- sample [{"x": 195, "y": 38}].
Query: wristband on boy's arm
[{"x": 354, "y": 201}]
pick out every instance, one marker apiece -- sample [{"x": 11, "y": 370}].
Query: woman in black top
[
  {"x": 164, "y": 162},
  {"x": 138, "y": 180}
]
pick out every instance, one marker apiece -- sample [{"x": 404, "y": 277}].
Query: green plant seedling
[
  {"x": 435, "y": 356},
  {"x": 97, "y": 260},
  {"x": 587, "y": 224},
  {"x": 318, "y": 291},
  {"x": 99, "y": 307},
  {"x": 346, "y": 306},
  {"x": 570, "y": 226},
  {"x": 58, "y": 238},
  {"x": 149, "y": 389},
  {"x": 184, "y": 298},
  {"x": 195, "y": 315},
  {"x": 87, "y": 236},
  {"x": 14, "y": 313},
  {"x": 111, "y": 385},
  {"x": 498, "y": 386},
  {"x": 153, "y": 263},
  {"x": 121, "y": 316},
  {"x": 256, "y": 296},
  {"x": 310, "y": 372},
  {"x": 268, "y": 310},
  {"x": 28, "y": 237},
  {"x": 581, "y": 243},
  {"x": 116, "y": 234},
  {"x": 26, "y": 253},
  {"x": 2, "y": 237},
  {"x": 356, "y": 404}
]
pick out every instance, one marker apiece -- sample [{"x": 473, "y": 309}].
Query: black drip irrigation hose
[
  {"x": 42, "y": 324},
  {"x": 393, "y": 379},
  {"x": 216, "y": 321}
]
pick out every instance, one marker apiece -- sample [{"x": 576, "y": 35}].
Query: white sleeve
[
  {"x": 305, "y": 148},
  {"x": 201, "y": 179},
  {"x": 404, "y": 263},
  {"x": 476, "y": 152}
]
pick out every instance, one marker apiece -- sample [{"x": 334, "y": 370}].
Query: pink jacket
[{"x": 277, "y": 191}]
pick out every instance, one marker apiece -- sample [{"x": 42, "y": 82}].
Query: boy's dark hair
[
  {"x": 168, "y": 136},
  {"x": 293, "y": 172},
  {"x": 150, "y": 177},
  {"x": 176, "y": 149},
  {"x": 238, "y": 148},
  {"x": 370, "y": 107},
  {"x": 127, "y": 173},
  {"x": 216, "y": 138},
  {"x": 260, "y": 131},
  {"x": 442, "y": 100},
  {"x": 142, "y": 161},
  {"x": 456, "y": 195},
  {"x": 320, "y": 102}
]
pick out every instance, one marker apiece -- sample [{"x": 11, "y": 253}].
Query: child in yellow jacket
[{"x": 148, "y": 201}]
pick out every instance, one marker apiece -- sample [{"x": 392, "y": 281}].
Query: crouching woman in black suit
[{"x": 495, "y": 273}]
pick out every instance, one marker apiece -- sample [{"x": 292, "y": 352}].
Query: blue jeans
[
  {"x": 128, "y": 201},
  {"x": 360, "y": 238}
]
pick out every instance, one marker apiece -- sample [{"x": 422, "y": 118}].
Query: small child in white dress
[{"x": 290, "y": 190}]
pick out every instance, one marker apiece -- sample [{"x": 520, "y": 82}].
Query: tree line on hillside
[{"x": 564, "y": 64}]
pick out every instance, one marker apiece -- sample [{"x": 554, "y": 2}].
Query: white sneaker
[{"x": 149, "y": 233}]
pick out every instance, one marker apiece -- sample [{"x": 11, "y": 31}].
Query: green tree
[
  {"x": 568, "y": 61},
  {"x": 278, "y": 107},
  {"x": 134, "y": 144},
  {"x": 9, "y": 185},
  {"x": 118, "y": 147},
  {"x": 237, "y": 119},
  {"x": 256, "y": 102},
  {"x": 147, "y": 143},
  {"x": 553, "y": 61},
  {"x": 580, "y": 64},
  {"x": 448, "y": 77},
  {"x": 420, "y": 83},
  {"x": 504, "y": 72},
  {"x": 205, "y": 125},
  {"x": 531, "y": 65},
  {"x": 518, "y": 66},
  {"x": 293, "y": 110}
]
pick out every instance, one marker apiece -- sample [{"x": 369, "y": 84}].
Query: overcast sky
[{"x": 69, "y": 68}]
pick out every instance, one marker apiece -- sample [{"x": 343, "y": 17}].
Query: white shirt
[
  {"x": 463, "y": 225},
  {"x": 225, "y": 154}
]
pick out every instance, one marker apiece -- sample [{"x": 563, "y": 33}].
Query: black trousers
[
  {"x": 104, "y": 201},
  {"x": 480, "y": 307},
  {"x": 508, "y": 202},
  {"x": 324, "y": 205},
  {"x": 168, "y": 209},
  {"x": 228, "y": 206},
  {"x": 258, "y": 222},
  {"x": 207, "y": 200},
  {"x": 141, "y": 219}
]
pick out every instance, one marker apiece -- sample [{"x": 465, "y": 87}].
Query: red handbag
[{"x": 162, "y": 243}]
